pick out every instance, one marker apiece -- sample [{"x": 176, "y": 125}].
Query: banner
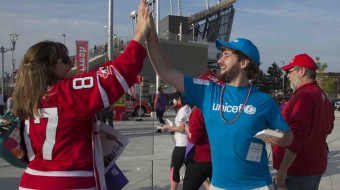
[
  {"x": 121, "y": 101},
  {"x": 82, "y": 48},
  {"x": 119, "y": 109},
  {"x": 132, "y": 90},
  {"x": 139, "y": 80}
]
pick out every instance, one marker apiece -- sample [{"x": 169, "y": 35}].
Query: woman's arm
[
  {"x": 179, "y": 128},
  {"x": 142, "y": 28}
]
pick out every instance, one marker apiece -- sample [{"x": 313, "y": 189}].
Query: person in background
[
  {"x": 107, "y": 115},
  {"x": 181, "y": 141},
  {"x": 59, "y": 112},
  {"x": 176, "y": 106},
  {"x": 160, "y": 107},
  {"x": 94, "y": 50},
  {"x": 310, "y": 115},
  {"x": 199, "y": 169},
  {"x": 9, "y": 102},
  {"x": 283, "y": 103},
  {"x": 2, "y": 104},
  {"x": 233, "y": 112},
  {"x": 290, "y": 92}
]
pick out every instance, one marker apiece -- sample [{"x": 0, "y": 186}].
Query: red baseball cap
[{"x": 302, "y": 60}]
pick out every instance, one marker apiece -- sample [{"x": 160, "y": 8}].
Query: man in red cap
[{"x": 310, "y": 116}]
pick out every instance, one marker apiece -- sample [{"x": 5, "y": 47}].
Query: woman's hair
[
  {"x": 35, "y": 75},
  {"x": 160, "y": 89}
]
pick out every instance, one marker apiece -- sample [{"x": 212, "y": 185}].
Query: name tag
[{"x": 254, "y": 152}]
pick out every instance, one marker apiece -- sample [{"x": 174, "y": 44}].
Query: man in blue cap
[{"x": 233, "y": 113}]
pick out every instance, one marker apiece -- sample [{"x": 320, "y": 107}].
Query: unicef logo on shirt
[{"x": 249, "y": 109}]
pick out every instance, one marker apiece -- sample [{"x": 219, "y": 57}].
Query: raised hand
[{"x": 142, "y": 28}]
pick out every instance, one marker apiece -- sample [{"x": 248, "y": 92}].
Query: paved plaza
[{"x": 146, "y": 160}]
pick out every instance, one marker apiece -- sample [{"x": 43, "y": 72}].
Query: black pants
[
  {"x": 195, "y": 174},
  {"x": 159, "y": 115},
  {"x": 177, "y": 161},
  {"x": 2, "y": 110},
  {"x": 106, "y": 115}
]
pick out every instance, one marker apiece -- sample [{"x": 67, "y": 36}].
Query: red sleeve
[
  {"x": 196, "y": 126},
  {"x": 331, "y": 117},
  {"x": 299, "y": 122},
  {"x": 101, "y": 87}
]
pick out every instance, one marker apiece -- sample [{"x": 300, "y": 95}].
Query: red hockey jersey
[{"x": 59, "y": 143}]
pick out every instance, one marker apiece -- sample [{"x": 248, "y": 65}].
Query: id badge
[{"x": 254, "y": 152}]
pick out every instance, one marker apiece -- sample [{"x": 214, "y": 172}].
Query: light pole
[
  {"x": 13, "y": 75},
  {"x": 110, "y": 31},
  {"x": 3, "y": 50},
  {"x": 63, "y": 35},
  {"x": 283, "y": 81},
  {"x": 171, "y": 8},
  {"x": 105, "y": 44},
  {"x": 105, "y": 33},
  {"x": 133, "y": 16},
  {"x": 193, "y": 33}
]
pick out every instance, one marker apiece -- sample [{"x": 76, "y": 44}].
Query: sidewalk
[{"x": 146, "y": 160}]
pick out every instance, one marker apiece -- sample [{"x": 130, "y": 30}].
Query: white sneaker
[{"x": 182, "y": 177}]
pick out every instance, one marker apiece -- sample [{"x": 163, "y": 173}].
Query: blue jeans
[{"x": 303, "y": 182}]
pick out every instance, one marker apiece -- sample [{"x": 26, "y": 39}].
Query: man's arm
[
  {"x": 284, "y": 141},
  {"x": 287, "y": 160},
  {"x": 161, "y": 64}
]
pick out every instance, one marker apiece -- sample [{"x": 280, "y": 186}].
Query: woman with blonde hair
[{"x": 59, "y": 112}]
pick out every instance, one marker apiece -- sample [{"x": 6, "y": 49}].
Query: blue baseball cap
[{"x": 245, "y": 46}]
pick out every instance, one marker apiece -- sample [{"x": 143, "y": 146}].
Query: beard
[
  {"x": 230, "y": 75},
  {"x": 295, "y": 84}
]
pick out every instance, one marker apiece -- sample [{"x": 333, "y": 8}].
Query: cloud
[{"x": 281, "y": 28}]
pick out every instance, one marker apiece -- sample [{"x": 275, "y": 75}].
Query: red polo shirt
[{"x": 310, "y": 115}]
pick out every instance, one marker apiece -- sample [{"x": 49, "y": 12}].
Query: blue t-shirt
[{"x": 239, "y": 160}]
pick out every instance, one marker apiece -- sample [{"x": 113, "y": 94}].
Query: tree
[
  {"x": 325, "y": 82},
  {"x": 261, "y": 82},
  {"x": 275, "y": 78}
]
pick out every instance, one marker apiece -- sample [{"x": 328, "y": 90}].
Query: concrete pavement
[{"x": 146, "y": 160}]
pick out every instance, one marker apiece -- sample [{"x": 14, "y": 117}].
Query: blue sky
[{"x": 279, "y": 28}]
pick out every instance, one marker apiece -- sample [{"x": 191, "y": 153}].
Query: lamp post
[
  {"x": 63, "y": 35},
  {"x": 105, "y": 33},
  {"x": 105, "y": 44},
  {"x": 13, "y": 73},
  {"x": 133, "y": 16},
  {"x": 193, "y": 33},
  {"x": 283, "y": 81},
  {"x": 3, "y": 50}
]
